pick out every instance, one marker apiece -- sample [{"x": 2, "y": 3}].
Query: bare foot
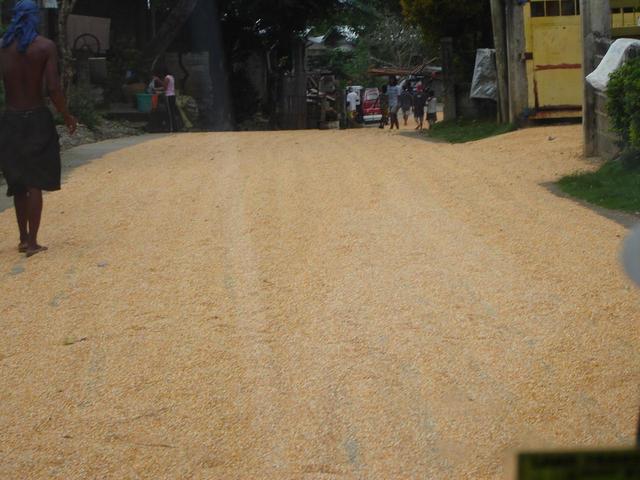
[
  {"x": 31, "y": 251},
  {"x": 22, "y": 247}
]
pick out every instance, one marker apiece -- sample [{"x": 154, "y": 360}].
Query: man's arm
[{"x": 52, "y": 78}]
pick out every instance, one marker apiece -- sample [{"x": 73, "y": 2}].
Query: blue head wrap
[{"x": 24, "y": 25}]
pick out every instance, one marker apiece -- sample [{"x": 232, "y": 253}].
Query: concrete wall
[
  {"x": 599, "y": 139},
  {"x": 607, "y": 147},
  {"x": 596, "y": 34}
]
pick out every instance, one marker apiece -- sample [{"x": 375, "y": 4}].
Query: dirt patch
[{"x": 106, "y": 130}]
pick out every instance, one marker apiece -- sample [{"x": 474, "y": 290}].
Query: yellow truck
[{"x": 554, "y": 52}]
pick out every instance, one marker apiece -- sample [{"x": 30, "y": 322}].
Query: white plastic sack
[
  {"x": 485, "y": 75},
  {"x": 616, "y": 56}
]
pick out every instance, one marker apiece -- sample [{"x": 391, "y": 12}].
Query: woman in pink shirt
[{"x": 169, "y": 88}]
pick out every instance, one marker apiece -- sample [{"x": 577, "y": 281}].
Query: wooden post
[
  {"x": 500, "y": 43},
  {"x": 517, "y": 65},
  {"x": 596, "y": 23},
  {"x": 448, "y": 79}
]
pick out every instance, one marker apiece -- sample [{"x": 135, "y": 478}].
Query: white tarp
[
  {"x": 485, "y": 75},
  {"x": 616, "y": 56}
]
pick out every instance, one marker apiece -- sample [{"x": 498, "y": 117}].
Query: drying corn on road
[{"x": 315, "y": 305}]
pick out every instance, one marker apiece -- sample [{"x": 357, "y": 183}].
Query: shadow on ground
[
  {"x": 627, "y": 220},
  {"x": 421, "y": 135},
  {"x": 77, "y": 156}
]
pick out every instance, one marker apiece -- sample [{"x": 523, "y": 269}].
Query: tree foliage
[
  {"x": 382, "y": 37},
  {"x": 394, "y": 42},
  {"x": 623, "y": 92},
  {"x": 177, "y": 17},
  {"x": 468, "y": 22}
]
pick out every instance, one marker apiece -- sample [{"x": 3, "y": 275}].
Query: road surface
[{"x": 315, "y": 305}]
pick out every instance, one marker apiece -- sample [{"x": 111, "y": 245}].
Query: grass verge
[
  {"x": 462, "y": 131},
  {"x": 613, "y": 186}
]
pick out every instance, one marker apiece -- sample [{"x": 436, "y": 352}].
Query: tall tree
[
  {"x": 167, "y": 32},
  {"x": 467, "y": 21},
  {"x": 394, "y": 42},
  {"x": 65, "y": 8},
  {"x": 219, "y": 113},
  {"x": 276, "y": 26}
]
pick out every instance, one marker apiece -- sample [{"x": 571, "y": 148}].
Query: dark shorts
[
  {"x": 29, "y": 151},
  {"x": 433, "y": 117}
]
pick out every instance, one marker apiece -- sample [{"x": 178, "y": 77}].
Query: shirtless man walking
[{"x": 29, "y": 147}]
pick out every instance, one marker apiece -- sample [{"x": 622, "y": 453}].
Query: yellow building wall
[
  {"x": 626, "y": 19},
  {"x": 555, "y": 69},
  {"x": 554, "y": 66}
]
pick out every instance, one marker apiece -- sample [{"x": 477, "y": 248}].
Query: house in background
[
  {"x": 320, "y": 47},
  {"x": 553, "y": 38}
]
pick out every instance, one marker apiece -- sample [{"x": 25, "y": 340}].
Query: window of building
[
  {"x": 553, "y": 8},
  {"x": 537, "y": 9},
  {"x": 568, "y": 7}
]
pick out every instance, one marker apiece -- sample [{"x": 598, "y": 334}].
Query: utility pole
[
  {"x": 596, "y": 24},
  {"x": 517, "y": 65},
  {"x": 448, "y": 78},
  {"x": 500, "y": 43}
]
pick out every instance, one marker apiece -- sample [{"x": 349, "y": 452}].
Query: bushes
[
  {"x": 82, "y": 106},
  {"x": 624, "y": 103}
]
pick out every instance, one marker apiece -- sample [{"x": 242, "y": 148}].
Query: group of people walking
[{"x": 394, "y": 98}]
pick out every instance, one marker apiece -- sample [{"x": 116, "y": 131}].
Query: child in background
[
  {"x": 406, "y": 102},
  {"x": 432, "y": 108},
  {"x": 384, "y": 106},
  {"x": 393, "y": 93},
  {"x": 419, "y": 100}
]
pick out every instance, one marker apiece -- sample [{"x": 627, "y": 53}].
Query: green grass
[
  {"x": 461, "y": 131},
  {"x": 613, "y": 186}
]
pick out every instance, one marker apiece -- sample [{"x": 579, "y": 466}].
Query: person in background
[
  {"x": 352, "y": 106},
  {"x": 169, "y": 90},
  {"x": 419, "y": 101},
  {"x": 406, "y": 102},
  {"x": 394, "y": 102},
  {"x": 29, "y": 146},
  {"x": 432, "y": 108},
  {"x": 384, "y": 106},
  {"x": 155, "y": 85}
]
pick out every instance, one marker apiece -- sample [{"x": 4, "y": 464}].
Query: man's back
[
  {"x": 406, "y": 100},
  {"x": 394, "y": 93},
  {"x": 352, "y": 100},
  {"x": 23, "y": 73},
  {"x": 419, "y": 100}
]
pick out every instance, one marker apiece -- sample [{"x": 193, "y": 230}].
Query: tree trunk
[
  {"x": 167, "y": 33},
  {"x": 220, "y": 115},
  {"x": 65, "y": 7},
  {"x": 500, "y": 44}
]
